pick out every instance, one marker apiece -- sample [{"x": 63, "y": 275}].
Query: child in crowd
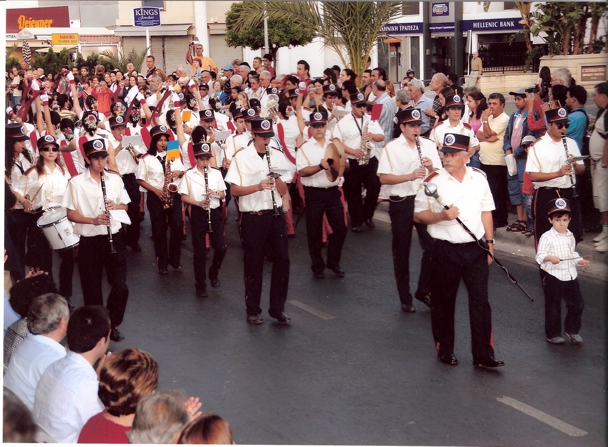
[{"x": 558, "y": 261}]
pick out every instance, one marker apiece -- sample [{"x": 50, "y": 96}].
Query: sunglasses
[
  {"x": 47, "y": 149},
  {"x": 359, "y": 106},
  {"x": 318, "y": 125},
  {"x": 562, "y": 125}
]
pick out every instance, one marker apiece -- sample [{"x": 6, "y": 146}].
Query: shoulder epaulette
[
  {"x": 439, "y": 123},
  {"x": 237, "y": 151},
  {"x": 431, "y": 176},
  {"x": 30, "y": 169},
  {"x": 467, "y": 125},
  {"x": 479, "y": 171}
]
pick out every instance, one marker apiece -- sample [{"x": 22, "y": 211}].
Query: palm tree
[
  {"x": 120, "y": 61},
  {"x": 350, "y": 26}
]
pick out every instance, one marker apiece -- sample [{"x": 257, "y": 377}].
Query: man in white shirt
[
  {"x": 66, "y": 396},
  {"x": 47, "y": 322}
]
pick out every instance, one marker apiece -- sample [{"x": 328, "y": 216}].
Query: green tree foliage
[
  {"x": 281, "y": 33},
  {"x": 350, "y": 28},
  {"x": 10, "y": 60},
  {"x": 121, "y": 61},
  {"x": 52, "y": 62}
]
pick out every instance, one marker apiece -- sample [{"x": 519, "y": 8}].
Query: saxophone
[
  {"x": 366, "y": 147},
  {"x": 168, "y": 188}
]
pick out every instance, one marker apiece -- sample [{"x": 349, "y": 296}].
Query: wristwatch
[
  {"x": 484, "y": 122},
  {"x": 491, "y": 241}
]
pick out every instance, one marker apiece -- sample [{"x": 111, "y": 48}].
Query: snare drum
[{"x": 58, "y": 230}]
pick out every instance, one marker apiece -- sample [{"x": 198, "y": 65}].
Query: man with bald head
[{"x": 438, "y": 82}]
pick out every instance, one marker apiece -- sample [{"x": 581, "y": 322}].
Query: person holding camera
[{"x": 195, "y": 50}]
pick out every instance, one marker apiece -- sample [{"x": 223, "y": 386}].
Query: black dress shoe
[
  {"x": 408, "y": 308},
  {"x": 281, "y": 318},
  {"x": 254, "y": 319},
  {"x": 215, "y": 282},
  {"x": 163, "y": 271},
  {"x": 200, "y": 292},
  {"x": 136, "y": 248},
  {"x": 449, "y": 359},
  {"x": 356, "y": 229},
  {"x": 116, "y": 336},
  {"x": 370, "y": 223},
  {"x": 488, "y": 362},
  {"x": 338, "y": 271},
  {"x": 426, "y": 298},
  {"x": 176, "y": 266},
  {"x": 319, "y": 275}
]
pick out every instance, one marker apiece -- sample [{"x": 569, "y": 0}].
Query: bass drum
[{"x": 57, "y": 229}]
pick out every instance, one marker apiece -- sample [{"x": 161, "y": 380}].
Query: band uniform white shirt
[
  {"x": 547, "y": 155},
  {"x": 193, "y": 185},
  {"x": 85, "y": 196},
  {"x": 151, "y": 170},
  {"x": 310, "y": 154},
  {"x": 248, "y": 168},
  {"x": 52, "y": 186},
  {"x": 234, "y": 143},
  {"x": 399, "y": 158},
  {"x": 472, "y": 196},
  {"x": 19, "y": 169},
  {"x": 349, "y": 132},
  {"x": 124, "y": 161}
]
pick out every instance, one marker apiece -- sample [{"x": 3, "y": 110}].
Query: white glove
[
  {"x": 191, "y": 84},
  {"x": 35, "y": 85},
  {"x": 45, "y": 99},
  {"x": 70, "y": 77},
  {"x": 9, "y": 111},
  {"x": 302, "y": 85}
]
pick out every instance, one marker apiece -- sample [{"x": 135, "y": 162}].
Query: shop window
[
  {"x": 153, "y": 4},
  {"x": 410, "y": 8}
]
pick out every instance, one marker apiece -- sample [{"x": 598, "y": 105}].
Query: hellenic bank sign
[
  {"x": 492, "y": 24},
  {"x": 146, "y": 17}
]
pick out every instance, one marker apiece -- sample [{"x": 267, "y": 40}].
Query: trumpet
[
  {"x": 272, "y": 106},
  {"x": 136, "y": 155}
]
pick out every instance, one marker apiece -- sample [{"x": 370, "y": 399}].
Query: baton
[{"x": 430, "y": 189}]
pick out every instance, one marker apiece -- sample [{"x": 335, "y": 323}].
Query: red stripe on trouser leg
[
  {"x": 343, "y": 205},
  {"x": 437, "y": 346},
  {"x": 534, "y": 203},
  {"x": 289, "y": 220},
  {"x": 492, "y": 338},
  {"x": 184, "y": 217},
  {"x": 142, "y": 201}
]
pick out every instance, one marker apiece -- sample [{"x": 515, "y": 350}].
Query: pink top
[{"x": 99, "y": 430}]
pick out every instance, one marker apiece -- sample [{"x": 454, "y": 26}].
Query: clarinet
[
  {"x": 103, "y": 190},
  {"x": 210, "y": 230},
  {"x": 419, "y": 151},
  {"x": 275, "y": 208},
  {"x": 573, "y": 186}
]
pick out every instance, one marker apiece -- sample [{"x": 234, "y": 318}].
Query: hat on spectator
[
  {"x": 228, "y": 67},
  {"x": 528, "y": 140},
  {"x": 262, "y": 127},
  {"x": 203, "y": 85},
  {"x": 556, "y": 116},
  {"x": 453, "y": 142},
  {"x": 519, "y": 92},
  {"x": 17, "y": 132}
]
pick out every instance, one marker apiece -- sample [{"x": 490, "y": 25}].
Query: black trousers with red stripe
[{"x": 450, "y": 264}]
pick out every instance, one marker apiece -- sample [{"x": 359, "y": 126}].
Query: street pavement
[{"x": 352, "y": 368}]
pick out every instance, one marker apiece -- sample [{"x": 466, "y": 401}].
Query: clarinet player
[
  {"x": 203, "y": 189},
  {"x": 89, "y": 210}
]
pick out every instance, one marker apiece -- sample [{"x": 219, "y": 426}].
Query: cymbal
[{"x": 335, "y": 169}]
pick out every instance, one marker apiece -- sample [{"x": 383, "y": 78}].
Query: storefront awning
[{"x": 163, "y": 30}]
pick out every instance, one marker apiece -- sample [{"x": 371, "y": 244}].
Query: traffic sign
[{"x": 146, "y": 17}]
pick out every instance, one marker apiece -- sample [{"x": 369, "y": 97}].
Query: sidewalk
[{"x": 518, "y": 245}]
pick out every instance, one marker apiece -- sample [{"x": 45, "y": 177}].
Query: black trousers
[
  {"x": 321, "y": 201},
  {"x": 540, "y": 207},
  {"x": 133, "y": 208},
  {"x": 356, "y": 176},
  {"x": 258, "y": 232},
  {"x": 498, "y": 182},
  {"x": 200, "y": 227},
  {"x": 18, "y": 232},
  {"x": 555, "y": 290},
  {"x": 93, "y": 257},
  {"x": 402, "y": 224},
  {"x": 159, "y": 218},
  {"x": 450, "y": 263}
]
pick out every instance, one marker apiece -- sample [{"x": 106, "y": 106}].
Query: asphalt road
[{"x": 353, "y": 368}]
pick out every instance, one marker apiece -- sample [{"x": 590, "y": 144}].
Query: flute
[
  {"x": 103, "y": 190},
  {"x": 210, "y": 230},
  {"x": 274, "y": 202}
]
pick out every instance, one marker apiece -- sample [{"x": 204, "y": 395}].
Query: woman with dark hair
[
  {"x": 477, "y": 104},
  {"x": 544, "y": 83},
  {"x": 157, "y": 173},
  {"x": 444, "y": 93},
  {"x": 124, "y": 379},
  {"x": 207, "y": 429},
  {"x": 347, "y": 75},
  {"x": 330, "y": 74},
  {"x": 46, "y": 183}
]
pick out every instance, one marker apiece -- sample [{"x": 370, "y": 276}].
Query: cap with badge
[
  {"x": 94, "y": 147},
  {"x": 357, "y": 98},
  {"x": 202, "y": 150},
  {"x": 17, "y": 132},
  {"x": 453, "y": 142},
  {"x": 117, "y": 121},
  {"x": 330, "y": 89},
  {"x": 293, "y": 93},
  {"x": 159, "y": 130},
  {"x": 272, "y": 91},
  {"x": 262, "y": 127},
  {"x": 250, "y": 114},
  {"x": 207, "y": 115},
  {"x": 237, "y": 113},
  {"x": 453, "y": 101},
  {"x": 556, "y": 116},
  {"x": 318, "y": 117},
  {"x": 47, "y": 140},
  {"x": 558, "y": 205},
  {"x": 410, "y": 116}
]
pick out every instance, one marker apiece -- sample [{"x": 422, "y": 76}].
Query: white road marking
[
  {"x": 312, "y": 310},
  {"x": 543, "y": 417}
]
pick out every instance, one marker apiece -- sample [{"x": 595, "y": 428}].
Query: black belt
[
  {"x": 460, "y": 244},
  {"x": 400, "y": 198},
  {"x": 126, "y": 175},
  {"x": 320, "y": 187},
  {"x": 553, "y": 188},
  {"x": 259, "y": 213}
]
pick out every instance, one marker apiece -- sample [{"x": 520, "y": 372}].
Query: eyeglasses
[
  {"x": 562, "y": 125},
  {"x": 318, "y": 125},
  {"x": 47, "y": 149}
]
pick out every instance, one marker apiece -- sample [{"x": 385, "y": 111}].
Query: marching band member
[
  {"x": 405, "y": 161},
  {"x": 263, "y": 222},
  {"x": 89, "y": 199},
  {"x": 202, "y": 189},
  {"x": 322, "y": 197}
]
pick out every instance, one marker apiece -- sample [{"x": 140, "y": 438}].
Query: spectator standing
[
  {"x": 598, "y": 150},
  {"x": 476, "y": 69},
  {"x": 196, "y": 47},
  {"x": 422, "y": 102}
]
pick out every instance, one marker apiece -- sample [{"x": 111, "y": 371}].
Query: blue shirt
[
  {"x": 577, "y": 129},
  {"x": 424, "y": 103}
]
